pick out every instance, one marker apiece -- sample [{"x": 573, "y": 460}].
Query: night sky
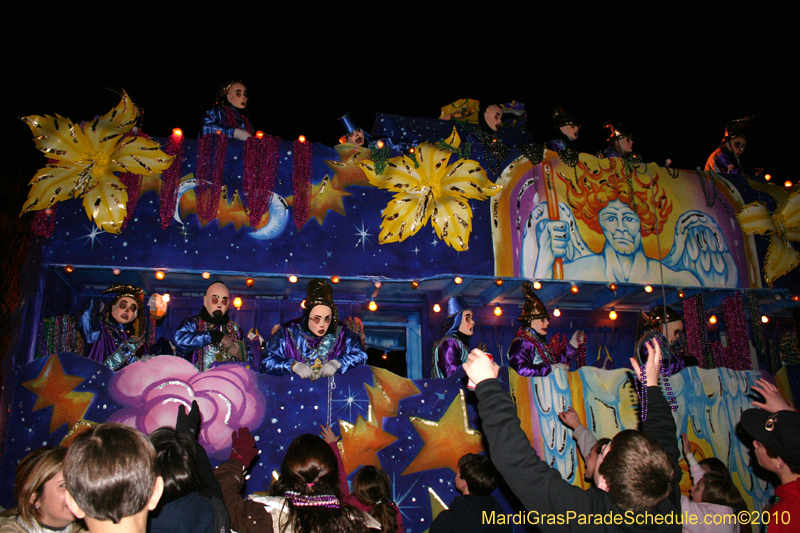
[{"x": 673, "y": 76}]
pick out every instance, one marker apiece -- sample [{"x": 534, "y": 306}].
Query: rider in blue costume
[
  {"x": 528, "y": 354},
  {"x": 452, "y": 350},
  {"x": 117, "y": 334},
  {"x": 316, "y": 345},
  {"x": 227, "y": 116},
  {"x": 725, "y": 159},
  {"x": 212, "y": 337},
  {"x": 568, "y": 129}
]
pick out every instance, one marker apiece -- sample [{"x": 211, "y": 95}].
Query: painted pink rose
[{"x": 151, "y": 391}]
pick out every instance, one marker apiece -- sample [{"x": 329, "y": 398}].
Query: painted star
[
  {"x": 362, "y": 235},
  {"x": 386, "y": 392},
  {"x": 349, "y": 401},
  {"x": 446, "y": 440},
  {"x": 325, "y": 197},
  {"x": 54, "y": 388},
  {"x": 361, "y": 443},
  {"x": 93, "y": 235},
  {"x": 347, "y": 171},
  {"x": 434, "y": 243},
  {"x": 416, "y": 250}
]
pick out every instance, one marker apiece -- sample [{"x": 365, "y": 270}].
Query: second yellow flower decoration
[{"x": 429, "y": 187}]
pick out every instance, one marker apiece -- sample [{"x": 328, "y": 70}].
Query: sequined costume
[
  {"x": 560, "y": 143},
  {"x": 530, "y": 356},
  {"x": 199, "y": 336},
  {"x": 449, "y": 354},
  {"x": 225, "y": 119},
  {"x": 612, "y": 152},
  {"x": 295, "y": 343},
  {"x": 110, "y": 342},
  {"x": 723, "y": 161}
]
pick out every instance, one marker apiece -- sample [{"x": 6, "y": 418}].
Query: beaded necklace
[{"x": 322, "y": 500}]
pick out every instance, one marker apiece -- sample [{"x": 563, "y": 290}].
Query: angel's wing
[{"x": 700, "y": 247}]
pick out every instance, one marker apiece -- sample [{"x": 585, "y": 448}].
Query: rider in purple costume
[
  {"x": 452, "y": 350},
  {"x": 116, "y": 335},
  {"x": 528, "y": 354},
  {"x": 316, "y": 345}
]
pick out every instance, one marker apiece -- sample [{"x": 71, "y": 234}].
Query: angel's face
[{"x": 621, "y": 228}]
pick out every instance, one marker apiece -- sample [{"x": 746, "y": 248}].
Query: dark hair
[
  {"x": 602, "y": 442},
  {"x": 310, "y": 468},
  {"x": 215, "y": 283},
  {"x": 177, "y": 463},
  {"x": 715, "y": 465},
  {"x": 793, "y": 468},
  {"x": 221, "y": 97},
  {"x": 110, "y": 470},
  {"x": 720, "y": 489},
  {"x": 638, "y": 471},
  {"x": 478, "y": 473},
  {"x": 36, "y": 469},
  {"x": 372, "y": 487}
]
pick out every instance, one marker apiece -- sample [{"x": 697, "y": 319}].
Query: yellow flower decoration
[
  {"x": 431, "y": 188},
  {"x": 782, "y": 227},
  {"x": 86, "y": 157}
]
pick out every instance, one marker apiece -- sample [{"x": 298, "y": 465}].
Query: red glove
[{"x": 243, "y": 447}]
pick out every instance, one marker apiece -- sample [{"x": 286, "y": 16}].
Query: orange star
[
  {"x": 387, "y": 391},
  {"x": 347, "y": 172},
  {"x": 324, "y": 198},
  {"x": 446, "y": 440},
  {"x": 361, "y": 443},
  {"x": 53, "y": 387}
]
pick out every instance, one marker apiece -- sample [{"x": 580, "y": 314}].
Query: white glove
[
  {"x": 329, "y": 368},
  {"x": 241, "y": 135},
  {"x": 302, "y": 370}
]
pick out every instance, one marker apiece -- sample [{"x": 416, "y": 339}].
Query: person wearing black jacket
[
  {"x": 637, "y": 472},
  {"x": 476, "y": 478}
]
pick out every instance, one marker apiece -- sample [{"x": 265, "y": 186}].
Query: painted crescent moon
[
  {"x": 185, "y": 185},
  {"x": 278, "y": 217},
  {"x": 278, "y": 214}
]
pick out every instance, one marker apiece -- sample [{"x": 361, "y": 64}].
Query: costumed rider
[
  {"x": 212, "y": 337},
  {"x": 620, "y": 143},
  {"x": 665, "y": 326},
  {"x": 568, "y": 129},
  {"x": 116, "y": 332},
  {"x": 725, "y": 159},
  {"x": 452, "y": 350},
  {"x": 528, "y": 354},
  {"x": 352, "y": 134},
  {"x": 227, "y": 116},
  {"x": 316, "y": 345}
]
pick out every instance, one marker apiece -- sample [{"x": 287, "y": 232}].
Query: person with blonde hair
[{"x": 39, "y": 491}]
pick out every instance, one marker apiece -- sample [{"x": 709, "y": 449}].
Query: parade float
[{"x": 435, "y": 210}]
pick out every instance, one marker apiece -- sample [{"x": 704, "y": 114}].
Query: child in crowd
[
  {"x": 111, "y": 475},
  {"x": 373, "y": 490},
  {"x": 775, "y": 429},
  {"x": 476, "y": 478},
  {"x": 712, "y": 494},
  {"x": 305, "y": 498},
  {"x": 588, "y": 444}
]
